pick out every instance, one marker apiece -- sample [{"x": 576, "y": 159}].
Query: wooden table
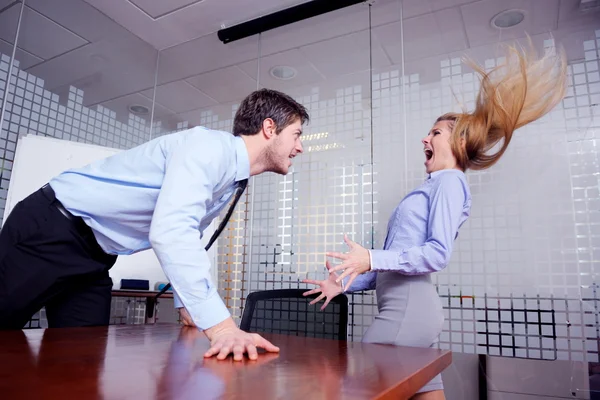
[{"x": 166, "y": 362}]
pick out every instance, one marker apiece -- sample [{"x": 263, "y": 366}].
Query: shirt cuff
[
  {"x": 384, "y": 260},
  {"x": 370, "y": 269},
  {"x": 176, "y": 300},
  {"x": 209, "y": 312}
]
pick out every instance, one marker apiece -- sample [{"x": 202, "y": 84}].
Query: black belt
[{"x": 48, "y": 191}]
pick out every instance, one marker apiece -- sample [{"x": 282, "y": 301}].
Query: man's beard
[{"x": 270, "y": 159}]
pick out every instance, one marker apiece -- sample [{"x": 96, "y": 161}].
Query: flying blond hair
[{"x": 519, "y": 91}]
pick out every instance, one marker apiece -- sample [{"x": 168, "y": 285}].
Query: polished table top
[{"x": 166, "y": 362}]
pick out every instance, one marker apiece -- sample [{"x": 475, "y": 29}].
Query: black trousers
[{"x": 52, "y": 260}]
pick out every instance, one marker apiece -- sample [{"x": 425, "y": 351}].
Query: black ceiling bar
[{"x": 282, "y": 18}]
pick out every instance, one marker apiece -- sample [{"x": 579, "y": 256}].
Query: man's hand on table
[{"x": 226, "y": 338}]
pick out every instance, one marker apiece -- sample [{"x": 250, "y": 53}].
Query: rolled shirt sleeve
[{"x": 192, "y": 172}]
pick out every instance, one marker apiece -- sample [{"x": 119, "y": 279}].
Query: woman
[{"x": 424, "y": 225}]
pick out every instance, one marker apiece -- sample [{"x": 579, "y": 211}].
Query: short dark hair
[{"x": 263, "y": 104}]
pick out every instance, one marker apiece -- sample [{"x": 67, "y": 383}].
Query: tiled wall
[
  {"x": 31, "y": 109},
  {"x": 522, "y": 279}
]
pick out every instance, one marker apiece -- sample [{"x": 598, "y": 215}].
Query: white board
[{"x": 38, "y": 159}]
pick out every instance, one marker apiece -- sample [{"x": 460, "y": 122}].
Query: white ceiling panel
[
  {"x": 437, "y": 5},
  {"x": 413, "y": 8},
  {"x": 203, "y": 55},
  {"x": 316, "y": 29},
  {"x": 25, "y": 59},
  {"x": 439, "y": 32},
  {"x": 540, "y": 16},
  {"x": 103, "y": 70},
  {"x": 386, "y": 11},
  {"x": 180, "y": 96},
  {"x": 208, "y": 16},
  {"x": 120, "y": 106},
  {"x": 157, "y": 9},
  {"x": 136, "y": 21},
  {"x": 79, "y": 17},
  {"x": 6, "y": 3},
  {"x": 306, "y": 72},
  {"x": 225, "y": 84},
  {"x": 160, "y": 111},
  {"x": 208, "y": 53},
  {"x": 187, "y": 22},
  {"x": 348, "y": 20},
  {"x": 38, "y": 34},
  {"x": 345, "y": 54}
]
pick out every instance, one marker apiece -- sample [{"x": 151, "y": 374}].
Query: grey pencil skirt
[{"x": 410, "y": 314}]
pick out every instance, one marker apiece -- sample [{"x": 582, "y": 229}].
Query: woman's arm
[{"x": 446, "y": 204}]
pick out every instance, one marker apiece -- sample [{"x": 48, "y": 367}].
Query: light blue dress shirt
[
  {"x": 422, "y": 229},
  {"x": 163, "y": 194}
]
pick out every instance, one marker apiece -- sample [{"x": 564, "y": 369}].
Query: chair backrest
[{"x": 287, "y": 311}]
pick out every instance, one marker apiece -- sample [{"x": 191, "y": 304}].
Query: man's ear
[{"x": 268, "y": 128}]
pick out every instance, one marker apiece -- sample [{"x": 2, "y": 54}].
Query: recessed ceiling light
[
  {"x": 138, "y": 109},
  {"x": 283, "y": 72},
  {"x": 508, "y": 19}
]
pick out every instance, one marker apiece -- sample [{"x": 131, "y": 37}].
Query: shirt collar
[
  {"x": 441, "y": 171},
  {"x": 242, "y": 160}
]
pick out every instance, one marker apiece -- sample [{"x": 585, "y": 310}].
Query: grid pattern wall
[
  {"x": 329, "y": 193},
  {"x": 31, "y": 109},
  {"x": 287, "y": 227},
  {"x": 519, "y": 280},
  {"x": 123, "y": 311},
  {"x": 208, "y": 118},
  {"x": 523, "y": 278},
  {"x": 127, "y": 311},
  {"x": 232, "y": 258},
  {"x": 532, "y": 298},
  {"x": 132, "y": 311}
]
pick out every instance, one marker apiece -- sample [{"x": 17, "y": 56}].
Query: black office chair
[{"x": 286, "y": 311}]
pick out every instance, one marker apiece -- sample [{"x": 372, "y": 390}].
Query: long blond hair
[{"x": 513, "y": 94}]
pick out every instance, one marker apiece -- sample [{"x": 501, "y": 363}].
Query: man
[{"x": 58, "y": 244}]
